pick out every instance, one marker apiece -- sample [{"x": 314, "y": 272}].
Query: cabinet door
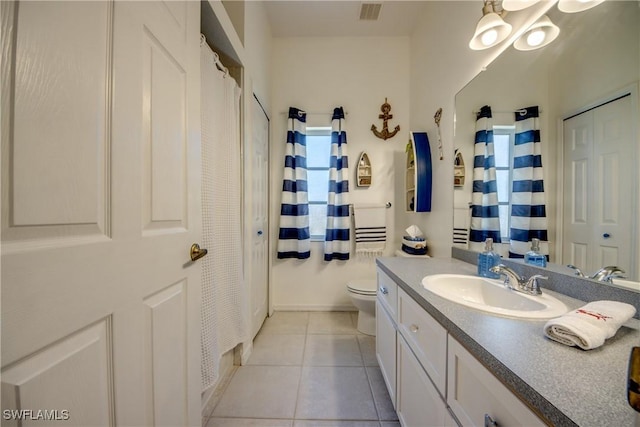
[
  {"x": 419, "y": 404},
  {"x": 474, "y": 393},
  {"x": 386, "y": 349}
]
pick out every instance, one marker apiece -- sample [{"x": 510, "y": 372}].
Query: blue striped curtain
[
  {"x": 528, "y": 211},
  {"x": 485, "y": 221},
  {"x": 337, "y": 242},
  {"x": 294, "y": 240}
]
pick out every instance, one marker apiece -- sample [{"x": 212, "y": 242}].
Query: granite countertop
[{"x": 564, "y": 385}]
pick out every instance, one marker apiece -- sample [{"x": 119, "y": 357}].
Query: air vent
[{"x": 370, "y": 11}]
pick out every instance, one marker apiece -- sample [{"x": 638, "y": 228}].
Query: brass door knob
[{"x": 196, "y": 253}]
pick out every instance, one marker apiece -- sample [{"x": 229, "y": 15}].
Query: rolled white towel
[{"x": 589, "y": 326}]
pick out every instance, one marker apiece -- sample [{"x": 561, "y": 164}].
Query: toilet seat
[{"x": 363, "y": 287}]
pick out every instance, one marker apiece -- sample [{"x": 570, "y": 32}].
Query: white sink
[{"x": 493, "y": 297}]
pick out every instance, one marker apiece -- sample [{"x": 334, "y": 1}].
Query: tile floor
[{"x": 307, "y": 369}]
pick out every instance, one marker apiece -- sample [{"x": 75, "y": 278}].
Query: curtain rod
[
  {"x": 313, "y": 113},
  {"x": 522, "y": 112},
  {"x": 216, "y": 57}
]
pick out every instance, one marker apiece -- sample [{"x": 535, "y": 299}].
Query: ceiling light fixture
[
  {"x": 491, "y": 28},
  {"x": 573, "y": 6},
  {"x": 513, "y": 5},
  {"x": 540, "y": 34}
]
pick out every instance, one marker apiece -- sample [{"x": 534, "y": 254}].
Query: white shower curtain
[{"x": 224, "y": 293}]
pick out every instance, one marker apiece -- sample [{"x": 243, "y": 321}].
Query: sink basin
[{"x": 493, "y": 297}]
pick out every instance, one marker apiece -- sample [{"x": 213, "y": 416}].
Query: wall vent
[{"x": 370, "y": 11}]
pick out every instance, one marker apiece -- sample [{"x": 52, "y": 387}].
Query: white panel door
[
  {"x": 100, "y": 205},
  {"x": 600, "y": 179},
  {"x": 257, "y": 174}
]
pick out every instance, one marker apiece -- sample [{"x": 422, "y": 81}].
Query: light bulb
[
  {"x": 535, "y": 37},
  {"x": 489, "y": 37}
]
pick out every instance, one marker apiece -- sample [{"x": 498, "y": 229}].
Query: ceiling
[{"x": 329, "y": 18}]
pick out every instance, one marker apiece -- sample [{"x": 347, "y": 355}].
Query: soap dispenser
[
  {"x": 488, "y": 259},
  {"x": 534, "y": 257}
]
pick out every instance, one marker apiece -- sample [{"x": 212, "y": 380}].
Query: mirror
[{"x": 594, "y": 60}]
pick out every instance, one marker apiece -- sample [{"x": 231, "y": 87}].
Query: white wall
[
  {"x": 258, "y": 45},
  {"x": 318, "y": 74}
]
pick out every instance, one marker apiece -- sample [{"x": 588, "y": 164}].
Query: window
[
  {"x": 503, "y": 140},
  {"x": 318, "y": 161}
]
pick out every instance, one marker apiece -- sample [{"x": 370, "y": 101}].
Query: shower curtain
[
  {"x": 225, "y": 319},
  {"x": 337, "y": 242},
  {"x": 528, "y": 211},
  {"x": 485, "y": 221}
]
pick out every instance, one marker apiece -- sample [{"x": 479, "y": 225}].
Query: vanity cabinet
[{"x": 431, "y": 378}]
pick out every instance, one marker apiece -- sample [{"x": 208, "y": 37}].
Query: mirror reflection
[{"x": 585, "y": 85}]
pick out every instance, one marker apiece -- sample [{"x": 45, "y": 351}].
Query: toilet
[{"x": 363, "y": 296}]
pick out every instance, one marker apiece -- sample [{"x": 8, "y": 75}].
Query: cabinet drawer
[
  {"x": 426, "y": 337},
  {"x": 419, "y": 403},
  {"x": 388, "y": 294},
  {"x": 474, "y": 392}
]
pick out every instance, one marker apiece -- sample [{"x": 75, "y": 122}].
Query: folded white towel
[{"x": 588, "y": 326}]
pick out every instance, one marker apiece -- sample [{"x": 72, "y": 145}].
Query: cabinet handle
[
  {"x": 488, "y": 421},
  {"x": 384, "y": 290},
  {"x": 413, "y": 328}
]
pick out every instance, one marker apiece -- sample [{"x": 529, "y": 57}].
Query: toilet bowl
[{"x": 363, "y": 296}]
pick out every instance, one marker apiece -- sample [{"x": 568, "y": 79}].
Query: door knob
[{"x": 196, "y": 253}]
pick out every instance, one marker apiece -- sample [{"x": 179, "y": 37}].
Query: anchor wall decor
[{"x": 385, "y": 116}]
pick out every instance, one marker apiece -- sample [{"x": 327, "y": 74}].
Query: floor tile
[
  {"x": 381, "y": 395},
  {"x": 335, "y": 393},
  {"x": 283, "y": 350},
  {"x": 248, "y": 422},
  {"x": 260, "y": 392},
  {"x": 368, "y": 348},
  {"x": 286, "y": 322},
  {"x": 331, "y": 322},
  {"x": 332, "y": 350}
]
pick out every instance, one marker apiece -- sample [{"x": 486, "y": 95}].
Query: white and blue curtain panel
[
  {"x": 294, "y": 240},
  {"x": 337, "y": 244},
  {"x": 528, "y": 211},
  {"x": 485, "y": 221}
]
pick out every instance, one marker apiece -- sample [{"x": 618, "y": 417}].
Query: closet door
[
  {"x": 100, "y": 205},
  {"x": 600, "y": 179},
  {"x": 257, "y": 197}
]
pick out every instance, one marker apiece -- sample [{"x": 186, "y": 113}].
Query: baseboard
[{"x": 296, "y": 307}]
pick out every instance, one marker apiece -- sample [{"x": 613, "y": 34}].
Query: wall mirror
[{"x": 592, "y": 65}]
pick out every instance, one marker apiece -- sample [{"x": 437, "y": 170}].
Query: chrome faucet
[
  {"x": 515, "y": 282},
  {"x": 605, "y": 274}
]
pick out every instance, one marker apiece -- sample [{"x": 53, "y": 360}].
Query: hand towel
[
  {"x": 589, "y": 326},
  {"x": 370, "y": 230}
]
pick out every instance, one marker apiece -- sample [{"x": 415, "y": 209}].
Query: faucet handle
[
  {"x": 578, "y": 272},
  {"x": 532, "y": 285}
]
